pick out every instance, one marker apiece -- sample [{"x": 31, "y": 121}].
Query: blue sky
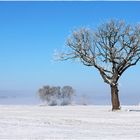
[{"x": 31, "y": 31}]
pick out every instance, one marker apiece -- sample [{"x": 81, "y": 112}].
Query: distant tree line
[{"x": 56, "y": 95}]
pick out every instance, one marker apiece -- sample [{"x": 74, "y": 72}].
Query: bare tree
[
  {"x": 56, "y": 95},
  {"x": 49, "y": 94},
  {"x": 66, "y": 95},
  {"x": 111, "y": 49},
  {"x": 44, "y": 93}
]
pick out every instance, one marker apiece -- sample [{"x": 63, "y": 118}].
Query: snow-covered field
[{"x": 20, "y": 122}]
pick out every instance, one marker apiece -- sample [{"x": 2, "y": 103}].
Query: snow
[{"x": 32, "y": 122}]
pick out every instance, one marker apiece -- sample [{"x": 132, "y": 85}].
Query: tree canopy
[{"x": 112, "y": 48}]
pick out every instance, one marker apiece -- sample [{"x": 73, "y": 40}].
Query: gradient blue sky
[{"x": 31, "y": 31}]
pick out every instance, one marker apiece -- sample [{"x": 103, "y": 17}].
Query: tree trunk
[{"x": 115, "y": 97}]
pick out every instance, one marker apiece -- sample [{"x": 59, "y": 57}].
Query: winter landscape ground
[{"x": 32, "y": 122}]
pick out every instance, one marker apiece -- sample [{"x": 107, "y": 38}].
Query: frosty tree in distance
[
  {"x": 111, "y": 49},
  {"x": 56, "y": 95},
  {"x": 49, "y": 94},
  {"x": 67, "y": 93}
]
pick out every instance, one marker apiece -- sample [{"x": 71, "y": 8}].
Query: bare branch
[{"x": 112, "y": 48}]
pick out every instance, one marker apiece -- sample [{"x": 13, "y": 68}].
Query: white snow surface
[{"x": 20, "y": 122}]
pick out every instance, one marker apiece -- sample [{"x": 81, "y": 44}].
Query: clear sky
[{"x": 31, "y": 31}]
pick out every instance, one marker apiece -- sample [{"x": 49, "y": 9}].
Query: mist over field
[
  {"x": 32, "y": 98},
  {"x": 18, "y": 97}
]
